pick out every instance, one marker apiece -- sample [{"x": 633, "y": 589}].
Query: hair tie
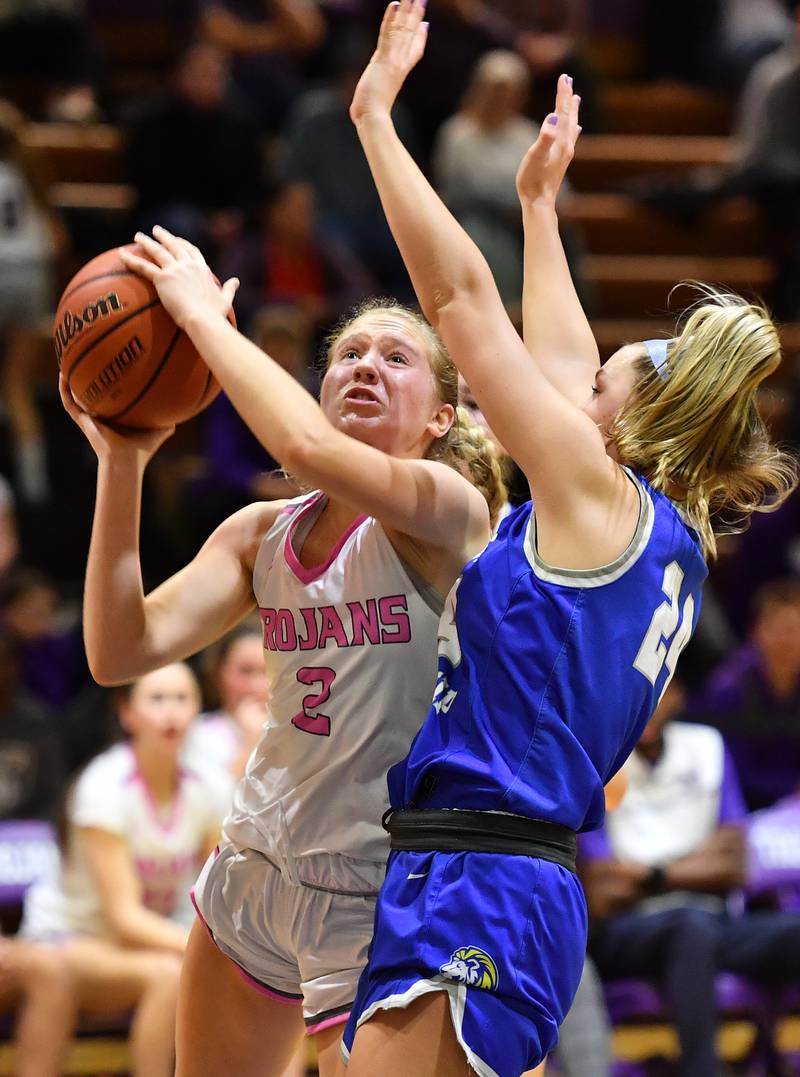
[{"x": 657, "y": 352}]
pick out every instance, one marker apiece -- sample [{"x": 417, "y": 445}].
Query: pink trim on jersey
[
  {"x": 176, "y": 804},
  {"x": 339, "y": 1019},
  {"x": 286, "y": 1000},
  {"x": 308, "y": 575}
]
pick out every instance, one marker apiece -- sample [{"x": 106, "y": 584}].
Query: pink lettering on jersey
[
  {"x": 331, "y": 627},
  {"x": 285, "y": 635},
  {"x": 394, "y": 614},
  {"x": 382, "y": 620},
  {"x": 310, "y": 641},
  {"x": 268, "y": 617},
  {"x": 364, "y": 620}
]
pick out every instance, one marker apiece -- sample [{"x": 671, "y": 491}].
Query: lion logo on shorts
[{"x": 471, "y": 966}]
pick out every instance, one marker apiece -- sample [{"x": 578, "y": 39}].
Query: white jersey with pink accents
[{"x": 350, "y": 649}]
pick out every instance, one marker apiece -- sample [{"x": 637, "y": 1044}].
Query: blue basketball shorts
[{"x": 504, "y": 936}]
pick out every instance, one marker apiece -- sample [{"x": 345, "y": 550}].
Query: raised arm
[
  {"x": 424, "y": 499},
  {"x": 560, "y": 449},
  {"x": 555, "y": 328}
]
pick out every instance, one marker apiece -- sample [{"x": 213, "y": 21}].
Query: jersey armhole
[{"x": 604, "y": 574}]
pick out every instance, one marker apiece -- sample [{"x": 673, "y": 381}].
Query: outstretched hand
[
  {"x": 544, "y": 166},
  {"x": 401, "y": 44},
  {"x": 180, "y": 275}
]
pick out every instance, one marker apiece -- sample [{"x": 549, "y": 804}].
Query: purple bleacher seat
[
  {"x": 28, "y": 852},
  {"x": 640, "y": 1000}
]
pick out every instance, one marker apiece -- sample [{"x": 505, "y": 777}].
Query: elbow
[
  {"x": 106, "y": 666},
  {"x": 450, "y": 301}
]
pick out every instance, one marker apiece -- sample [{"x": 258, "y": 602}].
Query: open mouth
[{"x": 361, "y": 395}]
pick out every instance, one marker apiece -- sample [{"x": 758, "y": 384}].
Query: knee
[
  {"x": 696, "y": 929},
  {"x": 43, "y": 968}
]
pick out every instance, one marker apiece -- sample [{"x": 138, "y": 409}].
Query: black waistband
[{"x": 450, "y": 831}]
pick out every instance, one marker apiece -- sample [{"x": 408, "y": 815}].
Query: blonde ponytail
[
  {"x": 469, "y": 449},
  {"x": 694, "y": 429}
]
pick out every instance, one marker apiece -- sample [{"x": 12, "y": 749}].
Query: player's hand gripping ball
[{"x": 122, "y": 356}]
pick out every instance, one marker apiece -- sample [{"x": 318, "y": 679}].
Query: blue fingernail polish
[{"x": 552, "y": 119}]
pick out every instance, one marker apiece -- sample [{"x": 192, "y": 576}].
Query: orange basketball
[{"x": 123, "y": 357}]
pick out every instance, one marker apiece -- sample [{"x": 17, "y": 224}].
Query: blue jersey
[{"x": 547, "y": 676}]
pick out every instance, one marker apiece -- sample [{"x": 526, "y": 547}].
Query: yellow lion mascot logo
[{"x": 471, "y": 966}]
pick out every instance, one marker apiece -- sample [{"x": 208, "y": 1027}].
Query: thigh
[
  {"x": 634, "y": 944},
  {"x": 764, "y": 946},
  {"x": 111, "y": 979},
  {"x": 419, "y": 1039},
  {"x": 225, "y": 1025}
]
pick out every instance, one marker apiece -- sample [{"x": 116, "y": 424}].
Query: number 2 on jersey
[
  {"x": 656, "y": 650},
  {"x": 317, "y": 724}
]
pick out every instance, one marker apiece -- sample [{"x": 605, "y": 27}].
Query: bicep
[{"x": 210, "y": 595}]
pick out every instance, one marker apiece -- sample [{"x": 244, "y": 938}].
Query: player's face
[
  {"x": 614, "y": 383},
  {"x": 242, "y": 674},
  {"x": 379, "y": 387},
  {"x": 161, "y": 707}
]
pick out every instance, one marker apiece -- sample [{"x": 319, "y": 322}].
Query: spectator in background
[
  {"x": 53, "y": 662},
  {"x": 238, "y": 691},
  {"x": 658, "y": 874},
  {"x": 193, "y": 154},
  {"x": 476, "y": 157},
  {"x": 322, "y": 151},
  {"x": 549, "y": 40},
  {"x": 714, "y": 43},
  {"x": 294, "y": 261},
  {"x": 31, "y": 763},
  {"x": 137, "y": 827},
  {"x": 753, "y": 698},
  {"x": 47, "y": 59},
  {"x": 31, "y": 237},
  {"x": 766, "y": 167},
  {"x": 35, "y": 985},
  {"x": 266, "y": 40}
]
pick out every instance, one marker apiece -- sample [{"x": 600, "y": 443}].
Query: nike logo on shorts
[{"x": 414, "y": 875}]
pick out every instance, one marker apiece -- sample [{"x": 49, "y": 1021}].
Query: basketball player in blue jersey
[{"x": 560, "y": 637}]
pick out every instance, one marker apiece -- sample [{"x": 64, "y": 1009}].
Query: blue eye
[
  {"x": 350, "y": 355},
  {"x": 398, "y": 358}
]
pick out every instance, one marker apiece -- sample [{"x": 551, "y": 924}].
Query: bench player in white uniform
[
  {"x": 138, "y": 824},
  {"x": 346, "y": 583}
]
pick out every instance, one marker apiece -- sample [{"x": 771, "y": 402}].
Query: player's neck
[{"x": 158, "y": 772}]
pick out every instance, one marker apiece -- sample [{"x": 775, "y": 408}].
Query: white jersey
[
  {"x": 23, "y": 231},
  {"x": 167, "y": 845},
  {"x": 350, "y": 649}
]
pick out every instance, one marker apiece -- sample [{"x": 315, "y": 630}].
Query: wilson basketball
[{"x": 123, "y": 357}]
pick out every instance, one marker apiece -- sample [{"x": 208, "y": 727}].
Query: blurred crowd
[{"x": 242, "y": 143}]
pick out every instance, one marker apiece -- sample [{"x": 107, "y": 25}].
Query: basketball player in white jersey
[{"x": 349, "y": 583}]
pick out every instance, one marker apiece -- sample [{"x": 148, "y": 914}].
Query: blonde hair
[
  {"x": 465, "y": 447},
  {"x": 694, "y": 429}
]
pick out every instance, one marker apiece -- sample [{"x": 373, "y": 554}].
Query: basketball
[{"x": 122, "y": 356}]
